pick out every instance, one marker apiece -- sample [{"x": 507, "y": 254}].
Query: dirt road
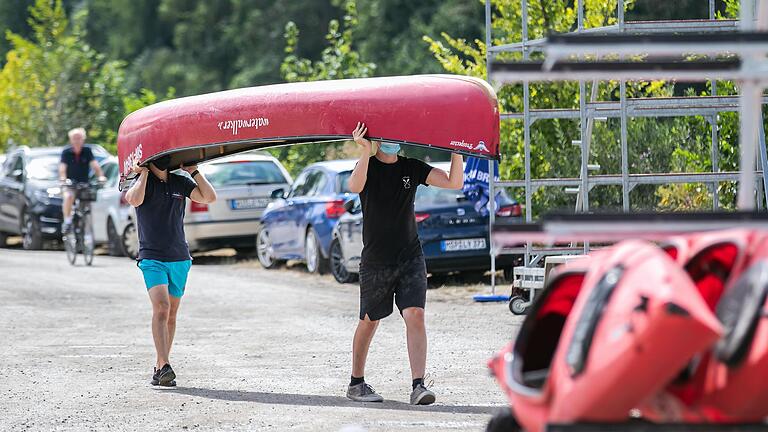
[{"x": 254, "y": 350}]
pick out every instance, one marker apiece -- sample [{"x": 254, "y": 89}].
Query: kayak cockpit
[{"x": 539, "y": 337}]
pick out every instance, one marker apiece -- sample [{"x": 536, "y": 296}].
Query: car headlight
[
  {"x": 45, "y": 196},
  {"x": 54, "y": 192}
]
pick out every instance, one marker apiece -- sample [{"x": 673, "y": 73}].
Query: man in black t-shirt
[
  {"x": 160, "y": 198},
  {"x": 76, "y": 162},
  {"x": 392, "y": 267}
]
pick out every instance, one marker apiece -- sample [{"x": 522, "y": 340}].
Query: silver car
[
  {"x": 244, "y": 184},
  {"x": 110, "y": 213}
]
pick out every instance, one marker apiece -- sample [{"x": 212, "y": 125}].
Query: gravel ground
[{"x": 254, "y": 350}]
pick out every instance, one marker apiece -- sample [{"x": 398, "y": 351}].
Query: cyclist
[{"x": 76, "y": 162}]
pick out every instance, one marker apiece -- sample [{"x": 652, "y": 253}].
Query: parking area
[{"x": 255, "y": 349}]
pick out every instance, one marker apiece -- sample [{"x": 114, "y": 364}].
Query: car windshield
[
  {"x": 44, "y": 168},
  {"x": 343, "y": 181},
  {"x": 430, "y": 196},
  {"x": 243, "y": 173}
]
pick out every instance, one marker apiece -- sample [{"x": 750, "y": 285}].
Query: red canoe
[{"x": 448, "y": 112}]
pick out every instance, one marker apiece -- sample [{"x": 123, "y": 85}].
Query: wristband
[{"x": 194, "y": 173}]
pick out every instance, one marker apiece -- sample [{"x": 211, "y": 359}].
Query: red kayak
[
  {"x": 449, "y": 112},
  {"x": 737, "y": 376},
  {"x": 726, "y": 382},
  {"x": 602, "y": 340}
]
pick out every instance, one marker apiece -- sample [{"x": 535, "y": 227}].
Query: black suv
[{"x": 30, "y": 194}]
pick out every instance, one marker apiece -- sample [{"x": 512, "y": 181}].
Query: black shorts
[{"x": 405, "y": 283}]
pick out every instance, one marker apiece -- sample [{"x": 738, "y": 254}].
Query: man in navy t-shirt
[
  {"x": 160, "y": 198},
  {"x": 76, "y": 162}
]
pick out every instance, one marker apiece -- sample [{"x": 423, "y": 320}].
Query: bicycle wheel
[
  {"x": 87, "y": 241},
  {"x": 70, "y": 242}
]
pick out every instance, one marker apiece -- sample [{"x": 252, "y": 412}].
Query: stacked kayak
[{"x": 669, "y": 333}]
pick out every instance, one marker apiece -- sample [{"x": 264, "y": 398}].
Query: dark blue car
[
  {"x": 30, "y": 194},
  {"x": 454, "y": 236},
  {"x": 299, "y": 224}
]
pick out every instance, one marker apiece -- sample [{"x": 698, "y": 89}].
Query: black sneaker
[
  {"x": 166, "y": 376},
  {"x": 155, "y": 380}
]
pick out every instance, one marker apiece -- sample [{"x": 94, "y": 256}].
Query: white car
[
  {"x": 110, "y": 213},
  {"x": 244, "y": 184}
]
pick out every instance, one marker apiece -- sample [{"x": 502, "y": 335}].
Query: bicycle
[{"x": 79, "y": 237}]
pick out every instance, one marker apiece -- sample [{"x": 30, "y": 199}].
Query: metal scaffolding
[{"x": 590, "y": 110}]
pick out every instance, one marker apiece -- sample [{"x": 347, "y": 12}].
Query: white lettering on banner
[
  {"x": 480, "y": 147},
  {"x": 236, "y": 125},
  {"x": 133, "y": 158}
]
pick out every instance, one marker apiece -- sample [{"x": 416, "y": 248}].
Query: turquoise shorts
[{"x": 174, "y": 274}]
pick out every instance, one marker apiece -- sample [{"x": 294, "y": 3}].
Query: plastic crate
[{"x": 528, "y": 277}]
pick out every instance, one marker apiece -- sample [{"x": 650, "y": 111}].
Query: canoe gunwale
[{"x": 274, "y": 142}]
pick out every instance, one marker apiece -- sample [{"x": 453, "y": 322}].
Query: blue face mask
[{"x": 390, "y": 149}]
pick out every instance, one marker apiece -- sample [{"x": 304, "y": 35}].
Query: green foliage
[
  {"x": 337, "y": 61},
  {"x": 54, "y": 81}
]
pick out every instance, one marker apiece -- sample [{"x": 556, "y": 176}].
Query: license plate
[
  {"x": 462, "y": 244},
  {"x": 248, "y": 203}
]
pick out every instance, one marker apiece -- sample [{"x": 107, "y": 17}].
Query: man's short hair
[{"x": 76, "y": 131}]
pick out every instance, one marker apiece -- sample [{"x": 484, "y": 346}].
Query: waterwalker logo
[
  {"x": 480, "y": 147},
  {"x": 133, "y": 158},
  {"x": 236, "y": 125}
]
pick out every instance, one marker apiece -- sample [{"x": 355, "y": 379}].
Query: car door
[
  {"x": 5, "y": 170},
  {"x": 107, "y": 198},
  {"x": 302, "y": 207},
  {"x": 350, "y": 228},
  {"x": 12, "y": 194},
  {"x": 280, "y": 218}
]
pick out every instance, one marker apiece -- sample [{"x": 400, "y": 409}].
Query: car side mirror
[
  {"x": 278, "y": 193},
  {"x": 351, "y": 206}
]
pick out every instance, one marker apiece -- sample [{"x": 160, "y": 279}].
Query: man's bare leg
[
  {"x": 416, "y": 333},
  {"x": 175, "y": 303},
  {"x": 358, "y": 390},
  {"x": 361, "y": 343},
  {"x": 161, "y": 307}
]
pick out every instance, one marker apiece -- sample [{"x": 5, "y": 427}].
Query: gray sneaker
[
  {"x": 421, "y": 396},
  {"x": 363, "y": 393}
]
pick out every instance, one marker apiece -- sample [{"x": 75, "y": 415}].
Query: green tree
[
  {"x": 54, "y": 81},
  {"x": 337, "y": 61}
]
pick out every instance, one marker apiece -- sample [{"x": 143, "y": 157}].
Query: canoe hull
[{"x": 447, "y": 112}]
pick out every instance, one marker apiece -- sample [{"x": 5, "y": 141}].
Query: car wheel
[
  {"x": 3, "y": 239},
  {"x": 312, "y": 254},
  {"x": 31, "y": 236},
  {"x": 338, "y": 269},
  {"x": 130, "y": 241},
  {"x": 517, "y": 305},
  {"x": 114, "y": 242},
  {"x": 265, "y": 251}
]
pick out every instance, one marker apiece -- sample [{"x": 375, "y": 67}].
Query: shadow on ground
[{"x": 323, "y": 401}]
